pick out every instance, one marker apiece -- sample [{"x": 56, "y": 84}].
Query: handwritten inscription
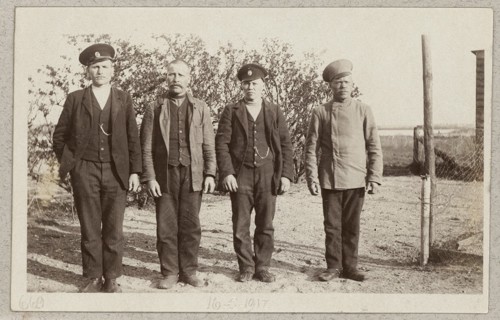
[
  {"x": 236, "y": 304},
  {"x": 31, "y": 302}
]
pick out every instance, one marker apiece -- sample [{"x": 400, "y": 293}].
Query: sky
[{"x": 384, "y": 45}]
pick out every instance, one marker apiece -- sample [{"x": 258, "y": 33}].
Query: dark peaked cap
[
  {"x": 96, "y": 53},
  {"x": 251, "y": 71},
  {"x": 337, "y": 69}
]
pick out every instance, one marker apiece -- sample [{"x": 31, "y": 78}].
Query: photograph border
[{"x": 32, "y": 300}]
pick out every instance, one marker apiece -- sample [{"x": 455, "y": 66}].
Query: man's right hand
[
  {"x": 229, "y": 183},
  {"x": 153, "y": 188},
  {"x": 313, "y": 188}
]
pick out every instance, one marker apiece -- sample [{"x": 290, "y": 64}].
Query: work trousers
[
  {"x": 342, "y": 210},
  {"x": 100, "y": 203},
  {"x": 254, "y": 192},
  {"x": 178, "y": 224}
]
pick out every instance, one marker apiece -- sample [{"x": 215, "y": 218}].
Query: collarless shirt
[
  {"x": 254, "y": 107},
  {"x": 102, "y": 94}
]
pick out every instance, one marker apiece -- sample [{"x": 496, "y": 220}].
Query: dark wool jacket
[
  {"x": 231, "y": 141},
  {"x": 72, "y": 133}
]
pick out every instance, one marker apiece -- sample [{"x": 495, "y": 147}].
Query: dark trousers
[
  {"x": 254, "y": 192},
  {"x": 178, "y": 224},
  {"x": 100, "y": 203},
  {"x": 342, "y": 210}
]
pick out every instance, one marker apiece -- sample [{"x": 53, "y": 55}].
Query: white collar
[
  {"x": 255, "y": 103},
  {"x": 103, "y": 88}
]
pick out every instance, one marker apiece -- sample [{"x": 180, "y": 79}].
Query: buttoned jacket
[
  {"x": 345, "y": 137},
  {"x": 232, "y": 141},
  {"x": 72, "y": 133},
  {"x": 155, "y": 137}
]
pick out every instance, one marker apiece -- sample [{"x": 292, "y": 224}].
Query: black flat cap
[
  {"x": 251, "y": 71},
  {"x": 96, "y": 53}
]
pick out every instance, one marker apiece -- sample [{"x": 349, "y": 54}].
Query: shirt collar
[{"x": 103, "y": 88}]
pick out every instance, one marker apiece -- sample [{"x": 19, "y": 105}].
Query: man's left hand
[
  {"x": 133, "y": 182},
  {"x": 372, "y": 187},
  {"x": 284, "y": 185},
  {"x": 208, "y": 184}
]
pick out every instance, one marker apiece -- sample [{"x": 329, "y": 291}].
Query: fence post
[
  {"x": 430, "y": 163},
  {"x": 424, "y": 220},
  {"x": 417, "y": 164}
]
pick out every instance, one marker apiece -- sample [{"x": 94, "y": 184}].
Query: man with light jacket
[
  {"x": 177, "y": 138},
  {"x": 344, "y": 133}
]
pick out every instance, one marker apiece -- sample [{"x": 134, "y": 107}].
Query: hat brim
[
  {"x": 338, "y": 76},
  {"x": 99, "y": 59},
  {"x": 254, "y": 76}
]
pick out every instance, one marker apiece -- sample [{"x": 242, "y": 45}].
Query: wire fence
[{"x": 459, "y": 167}]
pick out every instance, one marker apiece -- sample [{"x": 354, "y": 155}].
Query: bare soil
[{"x": 388, "y": 249}]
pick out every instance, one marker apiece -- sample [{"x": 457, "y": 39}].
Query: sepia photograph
[{"x": 252, "y": 160}]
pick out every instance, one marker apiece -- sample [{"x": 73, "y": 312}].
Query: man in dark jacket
[
  {"x": 254, "y": 157},
  {"x": 177, "y": 139},
  {"x": 96, "y": 140}
]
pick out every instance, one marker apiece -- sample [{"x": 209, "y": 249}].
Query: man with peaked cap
[
  {"x": 177, "y": 140},
  {"x": 343, "y": 131},
  {"x": 254, "y": 157},
  {"x": 96, "y": 140}
]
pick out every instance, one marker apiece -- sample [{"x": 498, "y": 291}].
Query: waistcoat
[
  {"x": 179, "y": 153},
  {"x": 258, "y": 151},
  {"x": 99, "y": 147}
]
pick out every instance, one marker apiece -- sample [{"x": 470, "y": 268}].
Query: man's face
[
  {"x": 342, "y": 87},
  {"x": 178, "y": 78},
  {"x": 100, "y": 72},
  {"x": 252, "y": 89}
]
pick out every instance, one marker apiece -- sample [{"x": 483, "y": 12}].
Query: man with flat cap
[
  {"x": 96, "y": 141},
  {"x": 344, "y": 133},
  {"x": 254, "y": 157},
  {"x": 177, "y": 140}
]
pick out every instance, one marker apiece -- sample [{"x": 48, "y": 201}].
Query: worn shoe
[
  {"x": 111, "y": 286},
  {"x": 93, "y": 285},
  {"x": 245, "y": 276},
  {"x": 265, "y": 276},
  {"x": 353, "y": 274},
  {"x": 192, "y": 280},
  {"x": 329, "y": 274},
  {"x": 168, "y": 282}
]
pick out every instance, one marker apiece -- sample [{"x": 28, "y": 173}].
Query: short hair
[{"x": 179, "y": 61}]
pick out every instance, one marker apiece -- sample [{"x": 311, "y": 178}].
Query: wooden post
[
  {"x": 424, "y": 220},
  {"x": 430, "y": 163},
  {"x": 417, "y": 164}
]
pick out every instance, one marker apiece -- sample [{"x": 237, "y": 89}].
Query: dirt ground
[{"x": 388, "y": 250}]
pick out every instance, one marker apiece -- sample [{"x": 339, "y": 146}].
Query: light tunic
[{"x": 345, "y": 139}]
